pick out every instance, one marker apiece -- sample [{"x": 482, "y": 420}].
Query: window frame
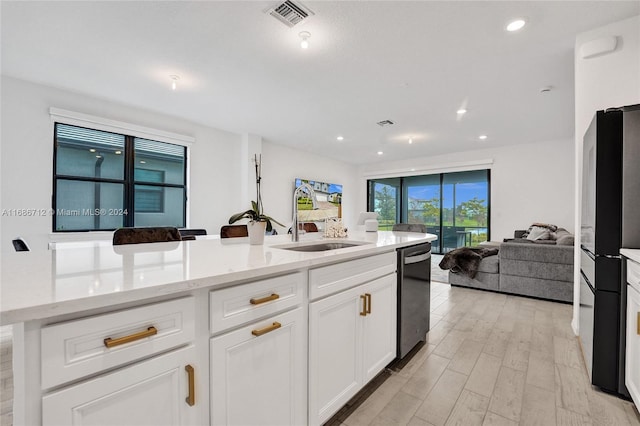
[
  {"x": 402, "y": 212},
  {"x": 128, "y": 180}
]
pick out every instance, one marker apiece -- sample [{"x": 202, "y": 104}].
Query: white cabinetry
[
  {"x": 259, "y": 370},
  {"x": 131, "y": 367},
  {"x": 352, "y": 336},
  {"x": 259, "y": 380},
  {"x": 152, "y": 392},
  {"x": 379, "y": 326},
  {"x": 632, "y": 364}
]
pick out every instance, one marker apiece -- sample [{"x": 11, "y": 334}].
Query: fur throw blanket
[{"x": 466, "y": 260}]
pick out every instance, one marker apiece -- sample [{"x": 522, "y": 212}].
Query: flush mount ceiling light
[
  {"x": 461, "y": 111},
  {"x": 515, "y": 25},
  {"x": 118, "y": 152},
  {"x": 174, "y": 82},
  {"x": 304, "y": 35},
  {"x": 482, "y": 137},
  {"x": 410, "y": 141},
  {"x": 380, "y": 152},
  {"x": 92, "y": 150},
  {"x": 340, "y": 138}
]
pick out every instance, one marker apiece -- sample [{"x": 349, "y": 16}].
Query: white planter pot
[{"x": 256, "y": 232}]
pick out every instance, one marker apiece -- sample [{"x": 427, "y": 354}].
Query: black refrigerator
[{"x": 610, "y": 221}]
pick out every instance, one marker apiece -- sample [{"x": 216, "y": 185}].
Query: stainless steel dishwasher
[{"x": 414, "y": 293}]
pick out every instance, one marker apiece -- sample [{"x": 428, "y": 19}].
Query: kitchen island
[{"x": 196, "y": 332}]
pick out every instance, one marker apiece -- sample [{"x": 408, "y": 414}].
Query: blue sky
[
  {"x": 333, "y": 187},
  {"x": 464, "y": 192}
]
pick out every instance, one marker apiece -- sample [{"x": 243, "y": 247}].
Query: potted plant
[{"x": 259, "y": 223}]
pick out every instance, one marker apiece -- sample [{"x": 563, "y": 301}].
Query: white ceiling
[{"x": 241, "y": 70}]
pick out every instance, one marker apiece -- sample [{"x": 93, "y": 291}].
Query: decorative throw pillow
[
  {"x": 539, "y": 233},
  {"x": 551, "y": 228}
]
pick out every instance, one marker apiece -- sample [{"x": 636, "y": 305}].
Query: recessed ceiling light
[
  {"x": 174, "y": 81},
  {"x": 118, "y": 152},
  {"x": 461, "y": 111},
  {"x": 515, "y": 25},
  {"x": 304, "y": 35},
  {"x": 143, "y": 162},
  {"x": 340, "y": 138},
  {"x": 98, "y": 156},
  {"x": 482, "y": 137},
  {"x": 380, "y": 152},
  {"x": 410, "y": 141},
  {"x": 92, "y": 150}
]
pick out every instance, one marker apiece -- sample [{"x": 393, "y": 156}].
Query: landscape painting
[{"x": 329, "y": 201}]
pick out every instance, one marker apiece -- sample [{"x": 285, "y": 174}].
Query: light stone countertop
[
  {"x": 75, "y": 277},
  {"x": 633, "y": 254}
]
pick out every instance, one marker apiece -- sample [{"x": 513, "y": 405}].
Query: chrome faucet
[{"x": 295, "y": 236}]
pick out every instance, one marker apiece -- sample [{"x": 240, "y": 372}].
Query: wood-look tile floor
[{"x": 493, "y": 359}]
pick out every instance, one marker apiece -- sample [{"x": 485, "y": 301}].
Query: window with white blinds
[{"x": 103, "y": 181}]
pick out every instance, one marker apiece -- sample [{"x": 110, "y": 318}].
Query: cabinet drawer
[
  {"x": 633, "y": 274},
  {"x": 234, "y": 306},
  {"x": 333, "y": 278},
  {"x": 77, "y": 348}
]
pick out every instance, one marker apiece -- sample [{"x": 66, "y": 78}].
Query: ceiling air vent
[
  {"x": 385, "y": 123},
  {"x": 290, "y": 13}
]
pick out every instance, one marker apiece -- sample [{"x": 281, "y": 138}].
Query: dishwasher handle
[{"x": 416, "y": 258}]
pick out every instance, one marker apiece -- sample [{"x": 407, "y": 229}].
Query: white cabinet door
[
  {"x": 261, "y": 380},
  {"x": 379, "y": 326},
  {"x": 335, "y": 352},
  {"x": 632, "y": 364},
  {"x": 151, "y": 392}
]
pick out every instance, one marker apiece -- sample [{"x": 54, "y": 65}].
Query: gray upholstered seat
[{"x": 410, "y": 227}]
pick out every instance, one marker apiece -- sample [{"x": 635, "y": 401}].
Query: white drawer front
[
  {"x": 333, "y": 278},
  {"x": 77, "y": 348},
  {"x": 633, "y": 274},
  {"x": 232, "y": 306}
]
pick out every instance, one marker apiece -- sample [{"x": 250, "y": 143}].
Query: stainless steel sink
[{"x": 322, "y": 246}]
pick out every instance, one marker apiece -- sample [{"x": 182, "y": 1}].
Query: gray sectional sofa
[{"x": 542, "y": 270}]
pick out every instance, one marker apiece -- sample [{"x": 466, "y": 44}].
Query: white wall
[
  {"x": 529, "y": 183},
  {"x": 27, "y": 150},
  {"x": 281, "y": 165},
  {"x": 602, "y": 82},
  {"x": 221, "y": 178}
]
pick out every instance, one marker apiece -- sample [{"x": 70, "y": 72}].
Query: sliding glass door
[
  {"x": 465, "y": 209},
  {"x": 422, "y": 197},
  {"x": 453, "y": 206},
  {"x": 384, "y": 198}
]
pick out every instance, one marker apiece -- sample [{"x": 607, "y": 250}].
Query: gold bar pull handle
[
  {"x": 259, "y": 332},
  {"x": 368, "y": 296},
  {"x": 191, "y": 373},
  {"x": 255, "y": 301},
  {"x": 638, "y": 324},
  {"x": 364, "y": 305},
  {"x": 150, "y": 331}
]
